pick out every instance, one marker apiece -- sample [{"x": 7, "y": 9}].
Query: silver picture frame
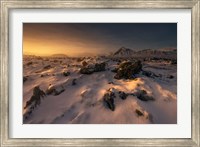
[{"x": 7, "y": 5}]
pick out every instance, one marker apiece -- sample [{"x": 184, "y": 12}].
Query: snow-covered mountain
[
  {"x": 170, "y": 53},
  {"x": 123, "y": 52}
]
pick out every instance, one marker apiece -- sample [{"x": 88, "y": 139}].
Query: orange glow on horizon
[
  {"x": 50, "y": 40},
  {"x": 45, "y": 48}
]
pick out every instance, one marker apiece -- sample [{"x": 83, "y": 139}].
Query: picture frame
[{"x": 7, "y": 5}]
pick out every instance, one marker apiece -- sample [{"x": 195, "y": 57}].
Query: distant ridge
[
  {"x": 163, "y": 53},
  {"x": 59, "y": 55},
  {"x": 123, "y": 52}
]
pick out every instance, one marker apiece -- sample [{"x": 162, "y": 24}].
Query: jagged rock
[
  {"x": 139, "y": 113},
  {"x": 44, "y": 75},
  {"x": 66, "y": 73},
  {"x": 74, "y": 82},
  {"x": 29, "y": 63},
  {"x": 54, "y": 90},
  {"x": 59, "y": 91},
  {"x": 170, "y": 77},
  {"x": 174, "y": 62},
  {"x": 100, "y": 67},
  {"x": 93, "y": 68},
  {"x": 79, "y": 59},
  {"x": 150, "y": 74},
  {"x": 122, "y": 95},
  {"x": 47, "y": 67},
  {"x": 109, "y": 99},
  {"x": 36, "y": 97},
  {"x": 114, "y": 70},
  {"x": 110, "y": 82},
  {"x": 128, "y": 69},
  {"x": 143, "y": 96},
  {"x": 25, "y": 79},
  {"x": 51, "y": 89},
  {"x": 86, "y": 70},
  {"x": 84, "y": 63},
  {"x": 147, "y": 73}
]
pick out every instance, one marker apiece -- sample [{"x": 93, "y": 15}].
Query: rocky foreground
[{"x": 99, "y": 90}]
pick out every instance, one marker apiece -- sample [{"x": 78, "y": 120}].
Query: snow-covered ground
[{"x": 79, "y": 97}]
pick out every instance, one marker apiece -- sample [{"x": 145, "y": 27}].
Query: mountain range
[{"x": 162, "y": 53}]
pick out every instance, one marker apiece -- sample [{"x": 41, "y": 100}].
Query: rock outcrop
[
  {"x": 143, "y": 96},
  {"x": 109, "y": 99},
  {"x": 36, "y": 97},
  {"x": 128, "y": 69},
  {"x": 89, "y": 69}
]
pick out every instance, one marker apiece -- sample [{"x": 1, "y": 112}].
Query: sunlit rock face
[{"x": 128, "y": 69}]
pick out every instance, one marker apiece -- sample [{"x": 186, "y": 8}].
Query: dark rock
[
  {"x": 54, "y": 90},
  {"x": 150, "y": 74},
  {"x": 100, "y": 67},
  {"x": 25, "y": 79},
  {"x": 94, "y": 68},
  {"x": 59, "y": 92},
  {"x": 122, "y": 95},
  {"x": 170, "y": 77},
  {"x": 51, "y": 89},
  {"x": 114, "y": 70},
  {"x": 66, "y": 73},
  {"x": 30, "y": 112},
  {"x": 86, "y": 70},
  {"x": 29, "y": 63},
  {"x": 84, "y": 63},
  {"x": 44, "y": 75},
  {"x": 143, "y": 96},
  {"x": 79, "y": 59},
  {"x": 110, "y": 83},
  {"x": 174, "y": 62},
  {"x": 139, "y": 113},
  {"x": 36, "y": 97},
  {"x": 47, "y": 67},
  {"x": 128, "y": 69},
  {"x": 32, "y": 108},
  {"x": 147, "y": 73},
  {"x": 74, "y": 82},
  {"x": 109, "y": 99}
]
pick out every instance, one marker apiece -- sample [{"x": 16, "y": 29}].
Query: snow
[{"x": 82, "y": 103}]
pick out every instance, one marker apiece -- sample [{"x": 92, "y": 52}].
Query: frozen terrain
[{"x": 69, "y": 96}]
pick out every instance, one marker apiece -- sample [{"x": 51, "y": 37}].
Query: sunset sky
[{"x": 79, "y": 39}]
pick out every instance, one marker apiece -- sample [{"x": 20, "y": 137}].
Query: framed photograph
[{"x": 100, "y": 73}]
